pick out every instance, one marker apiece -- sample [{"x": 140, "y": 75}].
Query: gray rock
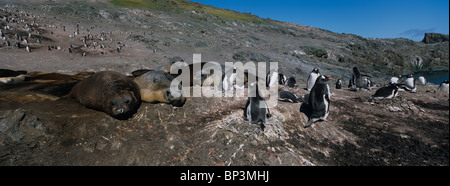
[
  {"x": 17, "y": 124},
  {"x": 10, "y": 118}
]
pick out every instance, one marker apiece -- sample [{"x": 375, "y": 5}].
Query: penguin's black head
[
  {"x": 409, "y": 75},
  {"x": 323, "y": 79},
  {"x": 395, "y": 85},
  {"x": 316, "y": 70}
]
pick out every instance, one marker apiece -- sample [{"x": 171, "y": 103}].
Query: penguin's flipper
[{"x": 268, "y": 115}]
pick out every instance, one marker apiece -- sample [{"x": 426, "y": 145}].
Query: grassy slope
[
  {"x": 179, "y": 5},
  {"x": 395, "y": 54}
]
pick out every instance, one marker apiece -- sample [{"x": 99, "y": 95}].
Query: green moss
[{"x": 131, "y": 3}]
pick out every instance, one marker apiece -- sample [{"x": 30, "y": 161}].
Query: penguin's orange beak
[{"x": 330, "y": 78}]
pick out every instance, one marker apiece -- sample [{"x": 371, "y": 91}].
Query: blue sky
[{"x": 367, "y": 18}]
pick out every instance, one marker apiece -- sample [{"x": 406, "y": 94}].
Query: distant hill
[
  {"x": 181, "y": 28},
  {"x": 302, "y": 43}
]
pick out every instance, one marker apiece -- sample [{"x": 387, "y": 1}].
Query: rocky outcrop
[{"x": 431, "y": 38}]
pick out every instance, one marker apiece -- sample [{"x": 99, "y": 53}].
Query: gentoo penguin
[
  {"x": 28, "y": 49},
  {"x": 312, "y": 78},
  {"x": 281, "y": 79},
  {"x": 288, "y": 96},
  {"x": 290, "y": 82},
  {"x": 228, "y": 82},
  {"x": 256, "y": 110},
  {"x": 386, "y": 92},
  {"x": 339, "y": 84},
  {"x": 422, "y": 81},
  {"x": 395, "y": 79},
  {"x": 319, "y": 100},
  {"x": 443, "y": 87},
  {"x": 367, "y": 82},
  {"x": 409, "y": 84},
  {"x": 356, "y": 81}
]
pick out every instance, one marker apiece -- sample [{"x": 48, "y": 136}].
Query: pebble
[{"x": 394, "y": 109}]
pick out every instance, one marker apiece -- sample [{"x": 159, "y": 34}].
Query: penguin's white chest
[
  {"x": 249, "y": 112},
  {"x": 422, "y": 81},
  {"x": 393, "y": 80},
  {"x": 410, "y": 82},
  {"x": 326, "y": 108},
  {"x": 225, "y": 83},
  {"x": 273, "y": 79},
  {"x": 327, "y": 104},
  {"x": 232, "y": 78},
  {"x": 393, "y": 94},
  {"x": 312, "y": 80},
  {"x": 444, "y": 87}
]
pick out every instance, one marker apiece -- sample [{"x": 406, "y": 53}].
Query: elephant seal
[
  {"x": 164, "y": 67},
  {"x": 155, "y": 88},
  {"x": 111, "y": 92}
]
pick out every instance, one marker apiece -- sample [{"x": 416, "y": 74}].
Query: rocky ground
[{"x": 411, "y": 129}]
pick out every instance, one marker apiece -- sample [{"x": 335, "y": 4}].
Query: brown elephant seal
[
  {"x": 11, "y": 73},
  {"x": 111, "y": 92},
  {"x": 155, "y": 88},
  {"x": 164, "y": 67}
]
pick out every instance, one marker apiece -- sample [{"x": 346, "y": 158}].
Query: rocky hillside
[{"x": 170, "y": 28}]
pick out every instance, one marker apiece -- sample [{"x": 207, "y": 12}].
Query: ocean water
[{"x": 436, "y": 77}]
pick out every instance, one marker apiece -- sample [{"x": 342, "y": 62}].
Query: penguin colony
[
  {"x": 20, "y": 30},
  {"x": 121, "y": 99}
]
